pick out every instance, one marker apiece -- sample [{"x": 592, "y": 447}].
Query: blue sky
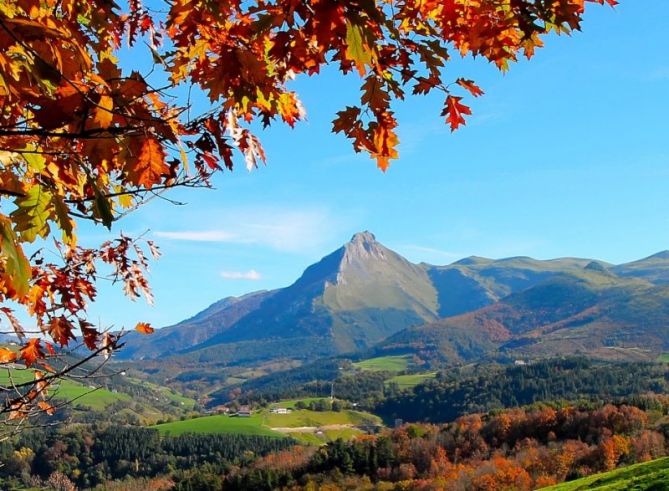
[{"x": 565, "y": 155}]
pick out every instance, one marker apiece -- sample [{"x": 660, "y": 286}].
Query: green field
[
  {"x": 306, "y": 417},
  {"x": 326, "y": 436},
  {"x": 653, "y": 475},
  {"x": 408, "y": 381},
  {"x": 68, "y": 390},
  {"x": 663, "y": 358},
  {"x": 252, "y": 425},
  {"x": 262, "y": 422},
  {"x": 385, "y": 363}
]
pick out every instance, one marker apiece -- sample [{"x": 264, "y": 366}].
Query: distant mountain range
[{"x": 366, "y": 297}]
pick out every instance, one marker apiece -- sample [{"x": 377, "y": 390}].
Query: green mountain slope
[{"x": 590, "y": 311}]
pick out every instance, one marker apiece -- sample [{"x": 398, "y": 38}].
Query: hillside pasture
[
  {"x": 307, "y": 418},
  {"x": 310, "y": 427},
  {"x": 252, "y": 425},
  {"x": 411, "y": 380},
  {"x": 653, "y": 475},
  {"x": 397, "y": 363}
]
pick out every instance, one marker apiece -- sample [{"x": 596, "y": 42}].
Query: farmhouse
[
  {"x": 244, "y": 411},
  {"x": 280, "y": 410}
]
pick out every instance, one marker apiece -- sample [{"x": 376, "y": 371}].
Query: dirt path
[{"x": 312, "y": 429}]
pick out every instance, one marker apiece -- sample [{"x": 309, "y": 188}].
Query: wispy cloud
[
  {"x": 428, "y": 254},
  {"x": 252, "y": 275},
  {"x": 659, "y": 74},
  {"x": 287, "y": 230}
]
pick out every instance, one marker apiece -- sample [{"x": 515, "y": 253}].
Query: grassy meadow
[
  {"x": 397, "y": 363},
  {"x": 411, "y": 380},
  {"x": 219, "y": 423},
  {"x": 653, "y": 475},
  {"x": 312, "y": 427}
]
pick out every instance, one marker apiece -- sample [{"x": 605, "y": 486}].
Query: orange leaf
[
  {"x": 7, "y": 356},
  {"x": 40, "y": 384},
  {"x": 31, "y": 352},
  {"x": 144, "y": 328},
  {"x": 102, "y": 113},
  {"x": 151, "y": 166},
  {"x": 473, "y": 89},
  {"x": 46, "y": 407},
  {"x": 49, "y": 348},
  {"x": 60, "y": 330}
]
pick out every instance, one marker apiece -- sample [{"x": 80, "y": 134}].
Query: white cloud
[
  {"x": 283, "y": 229},
  {"x": 252, "y": 275}
]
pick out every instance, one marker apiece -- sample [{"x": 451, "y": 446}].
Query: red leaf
[
  {"x": 90, "y": 336},
  {"x": 454, "y": 111}
]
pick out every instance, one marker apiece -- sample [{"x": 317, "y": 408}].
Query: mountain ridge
[{"x": 364, "y": 294}]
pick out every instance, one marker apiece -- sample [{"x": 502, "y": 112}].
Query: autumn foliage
[
  {"x": 84, "y": 138},
  {"x": 517, "y": 449}
]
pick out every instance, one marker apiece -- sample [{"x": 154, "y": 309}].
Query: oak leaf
[
  {"x": 150, "y": 166},
  {"x": 16, "y": 264},
  {"x": 473, "y": 89},
  {"x": 60, "y": 329},
  {"x": 454, "y": 112},
  {"x": 7, "y": 356},
  {"x": 31, "y": 352},
  {"x": 144, "y": 328},
  {"x": 102, "y": 113}
]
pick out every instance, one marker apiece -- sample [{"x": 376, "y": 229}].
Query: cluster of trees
[
  {"x": 453, "y": 394},
  {"x": 89, "y": 455},
  {"x": 519, "y": 449},
  {"x": 323, "y": 404},
  {"x": 310, "y": 380},
  {"x": 459, "y": 391}
]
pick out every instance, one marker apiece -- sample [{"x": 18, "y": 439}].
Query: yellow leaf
[
  {"x": 16, "y": 264},
  {"x": 356, "y": 48},
  {"x": 102, "y": 114}
]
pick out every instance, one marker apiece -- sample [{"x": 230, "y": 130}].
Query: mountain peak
[
  {"x": 363, "y": 237},
  {"x": 363, "y": 245}
]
